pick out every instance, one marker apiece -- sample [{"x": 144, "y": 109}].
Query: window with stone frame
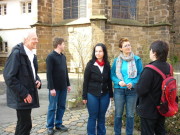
[
  {"x": 124, "y": 9},
  {"x": 3, "y": 47},
  {"x": 3, "y": 9},
  {"x": 26, "y": 7},
  {"x": 73, "y": 9}
]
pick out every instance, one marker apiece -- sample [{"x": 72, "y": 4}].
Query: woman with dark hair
[
  {"x": 125, "y": 73},
  {"x": 149, "y": 91},
  {"x": 97, "y": 90}
]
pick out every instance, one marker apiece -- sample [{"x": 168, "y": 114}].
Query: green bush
[
  {"x": 172, "y": 124},
  {"x": 1, "y": 39}
]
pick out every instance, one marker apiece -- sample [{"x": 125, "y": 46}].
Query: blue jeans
[
  {"x": 122, "y": 97},
  {"x": 57, "y": 106},
  {"x": 97, "y": 107}
]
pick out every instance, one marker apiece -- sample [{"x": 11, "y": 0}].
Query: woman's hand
[
  {"x": 122, "y": 83},
  {"x": 129, "y": 85},
  {"x": 69, "y": 88},
  {"x": 84, "y": 101}
]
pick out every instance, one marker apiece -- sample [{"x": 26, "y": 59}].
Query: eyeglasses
[{"x": 126, "y": 46}]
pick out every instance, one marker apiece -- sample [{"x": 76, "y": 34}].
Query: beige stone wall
[
  {"x": 78, "y": 40},
  {"x": 154, "y": 19},
  {"x": 98, "y": 31},
  {"x": 57, "y": 11},
  {"x": 98, "y": 7},
  {"x": 153, "y": 11},
  {"x": 176, "y": 32},
  {"x": 136, "y": 36},
  {"x": 158, "y": 11},
  {"x": 140, "y": 38},
  {"x": 45, "y": 11},
  {"x": 44, "y": 46},
  {"x": 177, "y": 21},
  {"x": 142, "y": 11}
]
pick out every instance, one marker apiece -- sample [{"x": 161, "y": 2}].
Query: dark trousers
[
  {"x": 153, "y": 126},
  {"x": 24, "y": 123}
]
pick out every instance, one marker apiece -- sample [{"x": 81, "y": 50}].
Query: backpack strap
[
  {"x": 157, "y": 70},
  {"x": 171, "y": 69}
]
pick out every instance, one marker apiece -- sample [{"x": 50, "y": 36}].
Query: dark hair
[
  {"x": 105, "y": 58},
  {"x": 161, "y": 49},
  {"x": 57, "y": 41},
  {"x": 121, "y": 41}
]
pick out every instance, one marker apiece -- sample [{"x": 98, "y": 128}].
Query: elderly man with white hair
[{"x": 20, "y": 75}]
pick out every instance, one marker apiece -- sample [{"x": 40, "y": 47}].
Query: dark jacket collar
[
  {"x": 156, "y": 61},
  {"x": 57, "y": 53},
  {"x": 20, "y": 47}
]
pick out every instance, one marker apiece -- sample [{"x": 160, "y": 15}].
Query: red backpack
[{"x": 169, "y": 100}]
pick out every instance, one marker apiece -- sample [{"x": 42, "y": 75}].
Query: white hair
[{"x": 27, "y": 33}]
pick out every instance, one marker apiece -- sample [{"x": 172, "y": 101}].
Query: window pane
[
  {"x": 24, "y": 7},
  {"x": 0, "y": 10},
  {"x": 1, "y": 47},
  {"x": 82, "y": 11},
  {"x": 75, "y": 12},
  {"x": 67, "y": 13},
  {"x": 6, "y": 47},
  {"x": 29, "y": 7},
  {"x": 116, "y": 14},
  {"x": 82, "y": 8},
  {"x": 124, "y": 13},
  {"x": 5, "y": 10},
  {"x": 74, "y": 9},
  {"x": 124, "y": 3},
  {"x": 74, "y": 3},
  {"x": 133, "y": 3},
  {"x": 133, "y": 13},
  {"x": 82, "y": 2},
  {"x": 125, "y": 10},
  {"x": 66, "y": 3}
]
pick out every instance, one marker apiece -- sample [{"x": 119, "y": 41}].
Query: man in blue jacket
[
  {"x": 20, "y": 75},
  {"x": 58, "y": 85}
]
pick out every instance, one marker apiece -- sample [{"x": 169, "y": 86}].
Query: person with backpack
[{"x": 149, "y": 90}]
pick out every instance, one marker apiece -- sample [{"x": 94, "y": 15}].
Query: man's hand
[
  {"x": 122, "y": 83},
  {"x": 85, "y": 101},
  {"x": 38, "y": 84},
  {"x": 28, "y": 99},
  {"x": 53, "y": 92},
  {"x": 69, "y": 88}
]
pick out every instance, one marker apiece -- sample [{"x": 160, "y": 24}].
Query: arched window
[
  {"x": 124, "y": 9},
  {"x": 74, "y": 9}
]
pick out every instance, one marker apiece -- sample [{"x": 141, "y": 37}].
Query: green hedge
[{"x": 172, "y": 124}]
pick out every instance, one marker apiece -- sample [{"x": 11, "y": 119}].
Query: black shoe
[
  {"x": 50, "y": 131},
  {"x": 62, "y": 128}
]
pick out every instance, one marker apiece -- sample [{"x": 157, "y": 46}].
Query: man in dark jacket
[
  {"x": 149, "y": 91},
  {"x": 20, "y": 75},
  {"x": 58, "y": 85}
]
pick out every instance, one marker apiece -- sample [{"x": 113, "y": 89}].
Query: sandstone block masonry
[{"x": 155, "y": 20}]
